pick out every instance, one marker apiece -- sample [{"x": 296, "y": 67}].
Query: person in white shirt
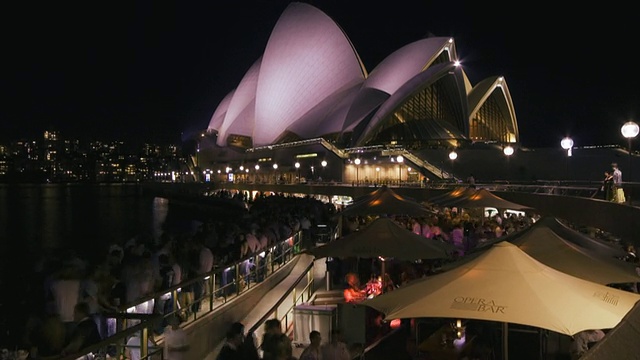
[
  {"x": 176, "y": 343},
  {"x": 253, "y": 242},
  {"x": 132, "y": 350}
]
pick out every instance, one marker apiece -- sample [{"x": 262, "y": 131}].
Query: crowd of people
[
  {"x": 73, "y": 290},
  {"x": 276, "y": 345},
  {"x": 75, "y": 293},
  {"x": 465, "y": 231}
]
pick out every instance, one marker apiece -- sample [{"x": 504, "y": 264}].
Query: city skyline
[{"x": 154, "y": 72}]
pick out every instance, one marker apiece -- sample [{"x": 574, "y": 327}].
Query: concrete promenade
[{"x": 273, "y": 296}]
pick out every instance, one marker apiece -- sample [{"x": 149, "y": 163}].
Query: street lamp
[
  {"x": 399, "y": 159},
  {"x": 357, "y": 162},
  {"x": 630, "y": 130},
  {"x": 508, "y": 151},
  {"x": 567, "y": 144},
  {"x": 275, "y": 172},
  {"x": 453, "y": 155},
  {"x": 324, "y": 165},
  {"x": 297, "y": 165}
]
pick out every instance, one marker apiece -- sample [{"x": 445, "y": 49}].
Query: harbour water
[{"x": 41, "y": 219}]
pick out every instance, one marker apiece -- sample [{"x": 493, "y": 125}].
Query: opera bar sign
[
  {"x": 477, "y": 304},
  {"x": 607, "y": 297}
]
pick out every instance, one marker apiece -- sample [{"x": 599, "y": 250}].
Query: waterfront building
[{"x": 309, "y": 101}]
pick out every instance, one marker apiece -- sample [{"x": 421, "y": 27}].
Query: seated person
[
  {"x": 374, "y": 286},
  {"x": 353, "y": 293}
]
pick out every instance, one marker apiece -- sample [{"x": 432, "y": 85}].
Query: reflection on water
[
  {"x": 159, "y": 212},
  {"x": 36, "y": 220},
  {"x": 84, "y": 217}
]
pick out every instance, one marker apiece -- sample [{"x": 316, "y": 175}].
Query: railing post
[
  {"x": 294, "y": 297},
  {"x": 174, "y": 300},
  {"x": 212, "y": 288},
  {"x": 309, "y": 283},
  {"x": 237, "y": 267},
  {"x": 271, "y": 260},
  {"x": 144, "y": 351}
]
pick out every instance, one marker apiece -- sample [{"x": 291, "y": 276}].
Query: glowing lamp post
[
  {"x": 275, "y": 172},
  {"x": 297, "y": 165},
  {"x": 357, "y": 162},
  {"x": 324, "y": 165},
  {"x": 453, "y": 155},
  {"x": 399, "y": 159},
  {"x": 629, "y": 130},
  {"x": 567, "y": 144},
  {"x": 508, "y": 151}
]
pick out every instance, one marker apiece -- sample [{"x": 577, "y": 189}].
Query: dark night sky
[{"x": 144, "y": 70}]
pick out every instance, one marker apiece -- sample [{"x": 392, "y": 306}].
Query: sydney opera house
[{"x": 308, "y": 104}]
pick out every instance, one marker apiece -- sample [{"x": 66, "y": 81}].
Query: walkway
[{"x": 275, "y": 295}]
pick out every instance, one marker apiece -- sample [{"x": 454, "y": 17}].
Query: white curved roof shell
[
  {"x": 393, "y": 72},
  {"x": 218, "y": 116},
  {"x": 239, "y": 117},
  {"x": 307, "y": 59},
  {"x": 405, "y": 63}
]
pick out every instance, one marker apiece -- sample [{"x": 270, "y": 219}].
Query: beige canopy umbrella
[
  {"x": 385, "y": 201},
  {"x": 455, "y": 194},
  {"x": 543, "y": 244},
  {"x": 384, "y": 237},
  {"x": 505, "y": 284},
  {"x": 621, "y": 342},
  {"x": 484, "y": 198}
]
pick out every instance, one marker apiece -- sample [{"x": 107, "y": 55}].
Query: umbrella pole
[
  {"x": 382, "y": 270},
  {"x": 505, "y": 341}
]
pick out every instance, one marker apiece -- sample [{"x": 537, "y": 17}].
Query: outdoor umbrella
[
  {"x": 484, "y": 198},
  {"x": 621, "y": 342},
  {"x": 384, "y": 237},
  {"x": 601, "y": 247},
  {"x": 368, "y": 196},
  {"x": 384, "y": 201},
  {"x": 505, "y": 284},
  {"x": 457, "y": 193},
  {"x": 545, "y": 245}
]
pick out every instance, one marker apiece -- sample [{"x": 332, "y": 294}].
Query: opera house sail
[{"x": 310, "y": 83}]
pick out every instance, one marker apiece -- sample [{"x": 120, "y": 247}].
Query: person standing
[
  {"x": 133, "y": 349},
  {"x": 471, "y": 181},
  {"x": 86, "y": 331},
  {"x": 607, "y": 186},
  {"x": 618, "y": 193},
  {"x": 231, "y": 350},
  {"x": 176, "y": 343},
  {"x": 312, "y": 351},
  {"x": 272, "y": 332},
  {"x": 336, "y": 349}
]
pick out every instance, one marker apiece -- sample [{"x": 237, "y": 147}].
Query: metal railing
[
  {"x": 219, "y": 286},
  {"x": 297, "y": 298}
]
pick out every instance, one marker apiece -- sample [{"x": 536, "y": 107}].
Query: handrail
[
  {"x": 143, "y": 327},
  {"x": 427, "y": 166},
  {"x": 274, "y": 308},
  {"x": 149, "y": 321}
]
